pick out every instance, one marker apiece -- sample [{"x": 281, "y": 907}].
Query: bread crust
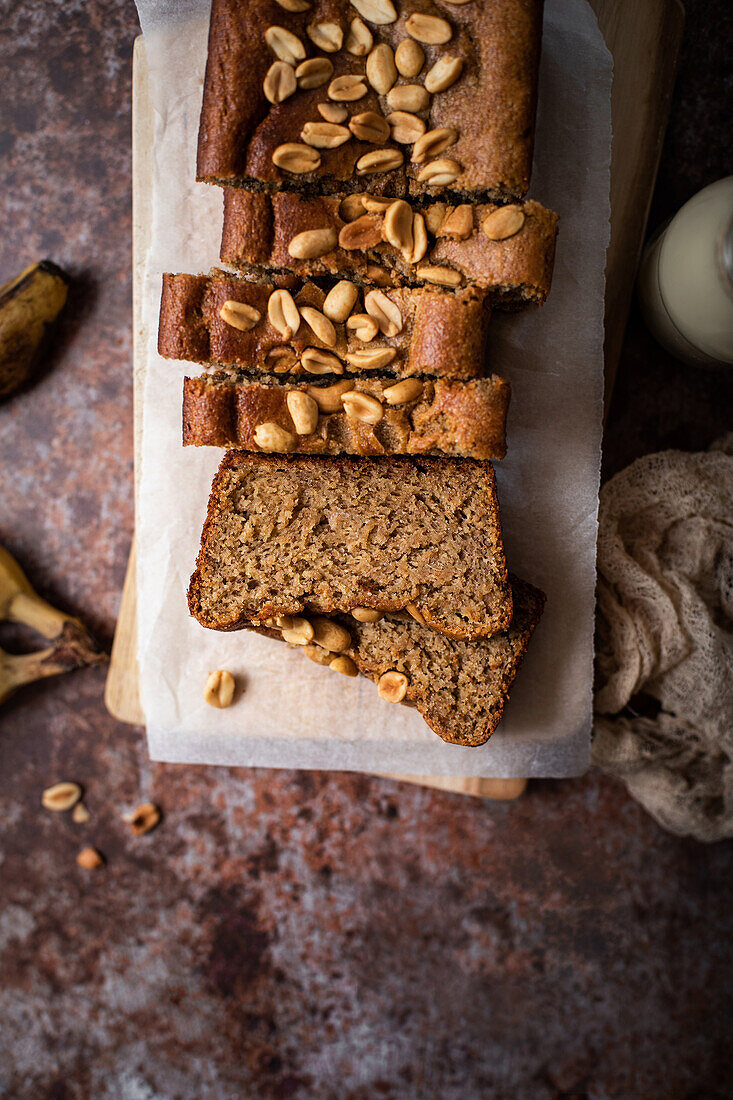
[
  {"x": 443, "y": 334},
  {"x": 492, "y": 104},
  {"x": 431, "y": 664},
  {"x": 515, "y": 271},
  {"x": 236, "y": 486},
  {"x": 464, "y": 419}
]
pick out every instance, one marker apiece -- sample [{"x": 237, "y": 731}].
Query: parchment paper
[{"x": 292, "y": 713}]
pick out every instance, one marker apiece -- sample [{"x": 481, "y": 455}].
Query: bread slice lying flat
[
  {"x": 459, "y": 687},
  {"x": 286, "y": 534},
  {"x": 410, "y": 416}
]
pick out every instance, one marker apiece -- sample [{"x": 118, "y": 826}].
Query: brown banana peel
[
  {"x": 29, "y": 308},
  {"x": 72, "y": 645}
]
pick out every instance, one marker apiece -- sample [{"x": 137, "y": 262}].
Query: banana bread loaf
[
  {"x": 420, "y": 99},
  {"x": 286, "y": 534},
  {"x": 459, "y": 687},
  {"x": 285, "y": 325},
  {"x": 508, "y": 250},
  {"x": 365, "y": 416}
]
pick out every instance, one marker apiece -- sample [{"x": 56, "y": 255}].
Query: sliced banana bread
[
  {"x": 459, "y": 687},
  {"x": 285, "y": 325},
  {"x": 323, "y": 95},
  {"x": 508, "y": 251},
  {"x": 364, "y": 416},
  {"x": 288, "y": 534}
]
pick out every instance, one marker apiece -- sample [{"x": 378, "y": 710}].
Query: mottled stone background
[{"x": 307, "y": 935}]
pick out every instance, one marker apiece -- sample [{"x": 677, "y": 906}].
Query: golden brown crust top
[
  {"x": 442, "y": 333},
  {"x": 466, "y": 419},
  {"x": 516, "y": 269},
  {"x": 491, "y": 104}
]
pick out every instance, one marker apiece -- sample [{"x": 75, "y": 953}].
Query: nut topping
[
  {"x": 381, "y": 160},
  {"x": 369, "y": 126},
  {"x": 271, "y": 437},
  {"x": 328, "y": 398},
  {"x": 439, "y": 173},
  {"x": 352, "y": 207},
  {"x": 333, "y": 112},
  {"x": 61, "y": 796},
  {"x": 392, "y": 686},
  {"x": 324, "y": 135},
  {"x": 315, "y": 653},
  {"x": 442, "y": 276},
  {"x": 363, "y": 326},
  {"x": 340, "y": 301},
  {"x": 458, "y": 223},
  {"x": 364, "y": 233},
  {"x": 285, "y": 45},
  {"x": 320, "y": 325},
  {"x": 326, "y": 36},
  {"x": 281, "y": 360},
  {"x": 345, "y": 89},
  {"x": 293, "y": 157},
  {"x": 144, "y": 819},
  {"x": 380, "y": 68},
  {"x": 330, "y": 635},
  {"x": 419, "y": 240},
  {"x": 367, "y": 615},
  {"x": 397, "y": 226},
  {"x": 435, "y": 216},
  {"x": 380, "y": 12},
  {"x": 219, "y": 689},
  {"x": 303, "y": 412},
  {"x": 90, "y": 859},
  {"x": 503, "y": 222},
  {"x": 314, "y": 72},
  {"x": 408, "y": 97},
  {"x": 360, "y": 406},
  {"x": 375, "y": 205},
  {"x": 303, "y": 5},
  {"x": 279, "y": 82},
  {"x": 432, "y": 143},
  {"x": 283, "y": 313},
  {"x": 384, "y": 311},
  {"x": 371, "y": 358},
  {"x": 296, "y": 630},
  {"x": 429, "y": 29},
  {"x": 239, "y": 315},
  {"x": 80, "y": 814},
  {"x": 409, "y": 58},
  {"x": 409, "y": 389},
  {"x": 359, "y": 40},
  {"x": 417, "y": 615},
  {"x": 318, "y": 361},
  {"x": 406, "y": 128},
  {"x": 443, "y": 74},
  {"x": 312, "y": 243},
  {"x": 344, "y": 665}
]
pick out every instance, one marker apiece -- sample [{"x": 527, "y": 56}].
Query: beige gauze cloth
[{"x": 665, "y": 629}]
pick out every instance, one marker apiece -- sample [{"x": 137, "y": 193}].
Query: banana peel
[
  {"x": 72, "y": 646},
  {"x": 29, "y": 306}
]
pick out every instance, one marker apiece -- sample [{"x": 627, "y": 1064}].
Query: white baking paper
[{"x": 292, "y": 713}]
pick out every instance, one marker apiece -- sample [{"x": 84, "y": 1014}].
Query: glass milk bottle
[{"x": 685, "y": 283}]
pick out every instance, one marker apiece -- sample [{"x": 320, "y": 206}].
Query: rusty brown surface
[{"x": 301, "y": 935}]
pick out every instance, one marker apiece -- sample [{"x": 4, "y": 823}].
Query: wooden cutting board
[{"x": 644, "y": 38}]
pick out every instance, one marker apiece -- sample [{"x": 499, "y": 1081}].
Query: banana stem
[{"x": 73, "y": 647}]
